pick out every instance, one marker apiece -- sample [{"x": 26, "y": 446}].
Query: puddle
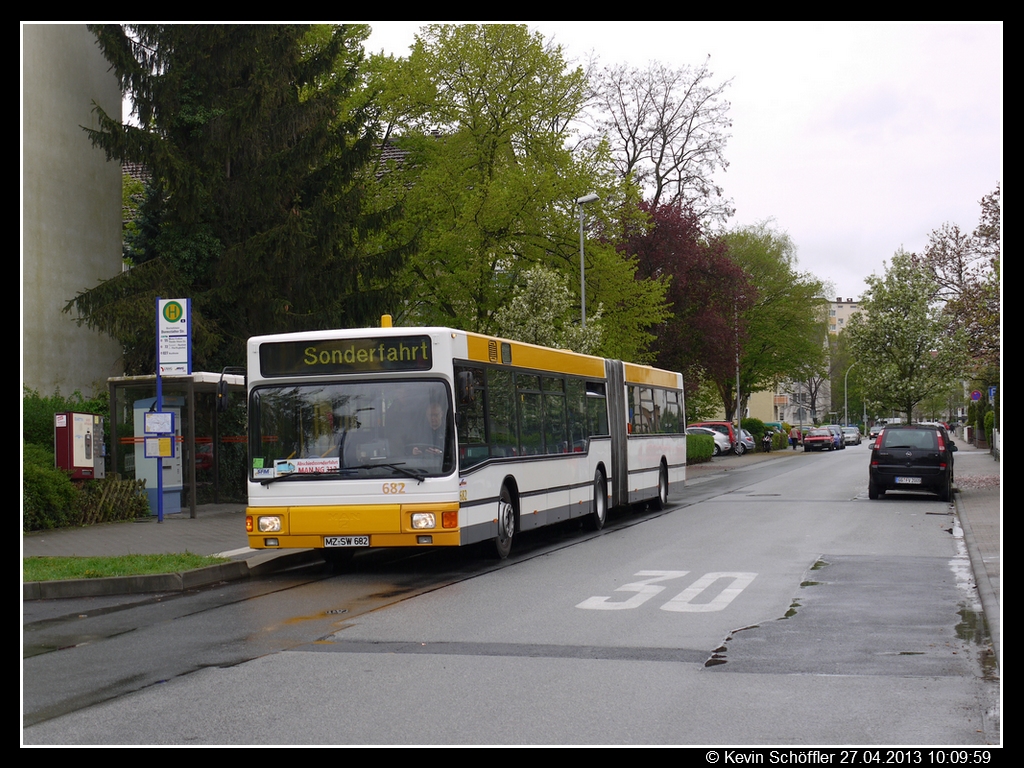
[{"x": 971, "y": 627}]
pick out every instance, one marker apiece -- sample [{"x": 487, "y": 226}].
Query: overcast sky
[{"x": 857, "y": 139}]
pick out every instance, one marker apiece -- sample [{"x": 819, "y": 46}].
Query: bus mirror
[{"x": 465, "y": 385}]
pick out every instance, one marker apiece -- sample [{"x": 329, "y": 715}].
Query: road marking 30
[{"x": 683, "y": 602}]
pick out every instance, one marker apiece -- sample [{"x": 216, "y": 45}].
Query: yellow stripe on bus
[
  {"x": 643, "y": 374},
  {"x": 488, "y": 350}
]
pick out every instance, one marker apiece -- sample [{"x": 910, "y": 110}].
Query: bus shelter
[{"x": 209, "y": 461}]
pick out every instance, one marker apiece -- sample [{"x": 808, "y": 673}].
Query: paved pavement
[{"x": 220, "y": 529}]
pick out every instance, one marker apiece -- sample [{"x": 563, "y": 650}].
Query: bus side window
[{"x": 470, "y": 415}]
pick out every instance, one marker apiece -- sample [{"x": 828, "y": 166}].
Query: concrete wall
[{"x": 71, "y": 214}]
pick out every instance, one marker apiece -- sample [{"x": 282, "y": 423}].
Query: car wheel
[
  {"x": 718, "y": 450},
  {"x": 740, "y": 449},
  {"x": 506, "y": 524},
  {"x": 946, "y": 492},
  {"x": 596, "y": 519}
]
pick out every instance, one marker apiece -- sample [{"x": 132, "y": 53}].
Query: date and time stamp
[{"x": 839, "y": 756}]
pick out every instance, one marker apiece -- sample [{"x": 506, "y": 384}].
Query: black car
[{"x": 914, "y": 457}]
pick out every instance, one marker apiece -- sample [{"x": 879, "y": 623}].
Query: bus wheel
[
  {"x": 596, "y": 519},
  {"x": 662, "y": 501},
  {"x": 506, "y": 524}
]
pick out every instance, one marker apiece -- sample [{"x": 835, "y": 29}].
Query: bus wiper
[{"x": 415, "y": 474}]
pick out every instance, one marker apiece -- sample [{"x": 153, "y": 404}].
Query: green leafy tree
[
  {"x": 482, "y": 115},
  {"x": 543, "y": 311},
  {"x": 781, "y": 332},
  {"x": 258, "y": 140},
  {"x": 909, "y": 348}
]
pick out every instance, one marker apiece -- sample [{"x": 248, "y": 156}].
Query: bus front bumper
[{"x": 355, "y": 525}]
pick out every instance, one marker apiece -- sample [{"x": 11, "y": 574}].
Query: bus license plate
[
  {"x": 346, "y": 541},
  {"x": 908, "y": 480}
]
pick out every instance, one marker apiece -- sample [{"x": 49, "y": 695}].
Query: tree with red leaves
[{"x": 708, "y": 293}]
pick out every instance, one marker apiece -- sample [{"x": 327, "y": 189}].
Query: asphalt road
[{"x": 770, "y": 606}]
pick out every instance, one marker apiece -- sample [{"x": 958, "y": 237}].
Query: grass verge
[{"x": 57, "y": 568}]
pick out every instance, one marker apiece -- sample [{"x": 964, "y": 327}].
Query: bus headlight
[
  {"x": 421, "y": 520},
  {"x": 269, "y": 524}
]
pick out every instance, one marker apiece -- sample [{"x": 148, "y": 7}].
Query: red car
[{"x": 819, "y": 440}]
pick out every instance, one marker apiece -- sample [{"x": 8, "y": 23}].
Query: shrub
[
  {"x": 38, "y": 412},
  {"x": 755, "y": 427},
  {"x": 50, "y": 499},
  {"x": 38, "y": 455},
  {"x": 699, "y": 448}
]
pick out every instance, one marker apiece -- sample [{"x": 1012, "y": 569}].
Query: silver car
[
  {"x": 722, "y": 444},
  {"x": 745, "y": 443}
]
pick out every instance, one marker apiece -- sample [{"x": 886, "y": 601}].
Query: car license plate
[
  {"x": 908, "y": 480},
  {"x": 346, "y": 541}
]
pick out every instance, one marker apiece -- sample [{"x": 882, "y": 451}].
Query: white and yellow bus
[{"x": 426, "y": 437}]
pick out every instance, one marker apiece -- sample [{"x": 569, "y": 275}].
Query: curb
[
  {"x": 261, "y": 564},
  {"x": 987, "y": 595}
]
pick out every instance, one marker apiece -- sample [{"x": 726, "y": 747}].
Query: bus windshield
[{"x": 352, "y": 430}]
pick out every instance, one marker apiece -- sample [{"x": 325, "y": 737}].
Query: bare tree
[
  {"x": 965, "y": 269},
  {"x": 667, "y": 128}
]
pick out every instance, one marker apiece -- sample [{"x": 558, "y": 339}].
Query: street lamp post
[
  {"x": 846, "y": 402},
  {"x": 581, "y": 201}
]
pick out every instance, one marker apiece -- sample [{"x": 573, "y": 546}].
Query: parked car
[
  {"x": 746, "y": 443},
  {"x": 837, "y": 436},
  {"x": 722, "y": 444},
  {"x": 851, "y": 436},
  {"x": 725, "y": 427},
  {"x": 915, "y": 457},
  {"x": 819, "y": 439},
  {"x": 947, "y": 438}
]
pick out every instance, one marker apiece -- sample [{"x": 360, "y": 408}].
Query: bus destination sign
[{"x": 328, "y": 356}]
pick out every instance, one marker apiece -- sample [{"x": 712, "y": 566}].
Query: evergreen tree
[{"x": 258, "y": 139}]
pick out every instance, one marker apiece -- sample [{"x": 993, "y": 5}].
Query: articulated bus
[{"x": 427, "y": 437}]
